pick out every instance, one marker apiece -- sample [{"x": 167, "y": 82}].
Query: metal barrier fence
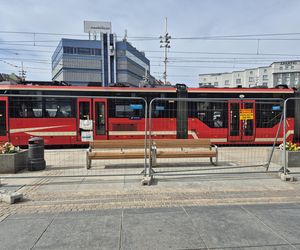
[
  {"x": 64, "y": 122},
  {"x": 245, "y": 131},
  {"x": 289, "y": 154}
]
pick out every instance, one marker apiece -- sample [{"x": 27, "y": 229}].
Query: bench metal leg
[
  {"x": 88, "y": 162},
  {"x": 212, "y": 162},
  {"x": 153, "y": 160}
]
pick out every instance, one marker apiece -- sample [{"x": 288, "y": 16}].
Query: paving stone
[
  {"x": 284, "y": 220},
  {"x": 231, "y": 226},
  {"x": 159, "y": 230},
  {"x": 21, "y": 233},
  {"x": 82, "y": 232}
]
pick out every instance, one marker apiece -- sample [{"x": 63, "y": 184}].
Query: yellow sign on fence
[{"x": 246, "y": 114}]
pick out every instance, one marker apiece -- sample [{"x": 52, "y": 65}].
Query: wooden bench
[
  {"x": 115, "y": 149},
  {"x": 183, "y": 148}
]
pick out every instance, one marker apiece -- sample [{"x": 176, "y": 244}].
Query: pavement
[
  {"x": 272, "y": 226},
  {"x": 191, "y": 205}
]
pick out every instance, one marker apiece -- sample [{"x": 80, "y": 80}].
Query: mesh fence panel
[
  {"x": 243, "y": 130},
  {"x": 288, "y": 154},
  {"x": 68, "y": 123}
]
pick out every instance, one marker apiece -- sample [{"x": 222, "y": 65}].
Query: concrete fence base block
[
  {"x": 147, "y": 180},
  {"x": 11, "y": 197},
  {"x": 287, "y": 177}
]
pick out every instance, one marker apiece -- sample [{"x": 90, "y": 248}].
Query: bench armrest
[
  {"x": 153, "y": 154},
  {"x": 215, "y": 147},
  {"x": 153, "y": 149},
  {"x": 88, "y": 160}
]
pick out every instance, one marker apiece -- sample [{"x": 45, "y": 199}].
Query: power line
[
  {"x": 10, "y": 64},
  {"x": 23, "y": 44},
  {"x": 33, "y": 33},
  {"x": 44, "y": 61},
  {"x": 224, "y": 58},
  {"x": 219, "y": 53},
  {"x": 40, "y": 33},
  {"x": 29, "y": 41},
  {"x": 28, "y": 50},
  {"x": 199, "y": 66},
  {"x": 184, "y": 52}
]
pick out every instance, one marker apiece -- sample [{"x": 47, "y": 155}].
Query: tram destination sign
[{"x": 246, "y": 114}]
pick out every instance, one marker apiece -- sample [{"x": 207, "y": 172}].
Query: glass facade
[{"x": 98, "y": 63}]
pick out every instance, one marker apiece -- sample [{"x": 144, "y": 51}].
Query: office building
[
  {"x": 103, "y": 62},
  {"x": 284, "y": 72}
]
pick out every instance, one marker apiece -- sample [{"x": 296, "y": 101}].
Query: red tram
[{"x": 59, "y": 114}]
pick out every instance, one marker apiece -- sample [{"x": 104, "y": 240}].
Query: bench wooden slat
[
  {"x": 124, "y": 144},
  {"x": 185, "y": 154},
  {"x": 117, "y": 155},
  {"x": 134, "y": 149},
  {"x": 183, "y": 148},
  {"x": 115, "y": 150},
  {"x": 182, "y": 143}
]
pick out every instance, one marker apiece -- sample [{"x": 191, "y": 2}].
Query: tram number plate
[{"x": 246, "y": 114}]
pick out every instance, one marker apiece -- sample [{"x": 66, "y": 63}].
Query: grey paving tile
[
  {"x": 32, "y": 216},
  {"x": 272, "y": 206},
  {"x": 83, "y": 232},
  {"x": 160, "y": 230},
  {"x": 230, "y": 226},
  {"x": 21, "y": 233},
  {"x": 91, "y": 213},
  {"x": 153, "y": 210},
  {"x": 271, "y": 247},
  {"x": 285, "y": 220}
]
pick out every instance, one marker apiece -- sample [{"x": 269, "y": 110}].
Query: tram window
[
  {"x": 268, "y": 114},
  {"x": 59, "y": 108},
  {"x": 213, "y": 114},
  {"x": 164, "y": 110},
  {"x": 122, "y": 111},
  {"x": 126, "y": 109},
  {"x": 133, "y": 111},
  {"x": 26, "y": 107}
]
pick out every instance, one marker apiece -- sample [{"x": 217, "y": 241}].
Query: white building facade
[{"x": 285, "y": 72}]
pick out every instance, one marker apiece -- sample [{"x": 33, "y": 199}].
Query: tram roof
[{"x": 141, "y": 90}]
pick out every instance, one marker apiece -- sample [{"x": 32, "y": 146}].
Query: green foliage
[
  {"x": 8, "y": 148},
  {"x": 289, "y": 146}
]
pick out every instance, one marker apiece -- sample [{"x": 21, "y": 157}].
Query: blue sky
[{"x": 186, "y": 19}]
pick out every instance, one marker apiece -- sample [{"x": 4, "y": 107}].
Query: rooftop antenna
[{"x": 125, "y": 36}]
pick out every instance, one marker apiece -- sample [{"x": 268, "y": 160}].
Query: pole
[
  {"x": 166, "y": 54},
  {"x": 165, "y": 43}
]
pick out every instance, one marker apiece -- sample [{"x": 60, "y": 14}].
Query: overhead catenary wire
[
  {"x": 171, "y": 61},
  {"x": 153, "y": 36},
  {"x": 183, "y": 61}
]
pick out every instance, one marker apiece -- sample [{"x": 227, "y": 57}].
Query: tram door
[
  {"x": 84, "y": 119},
  {"x": 100, "y": 119},
  {"x": 3, "y": 119},
  {"x": 241, "y": 121}
]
